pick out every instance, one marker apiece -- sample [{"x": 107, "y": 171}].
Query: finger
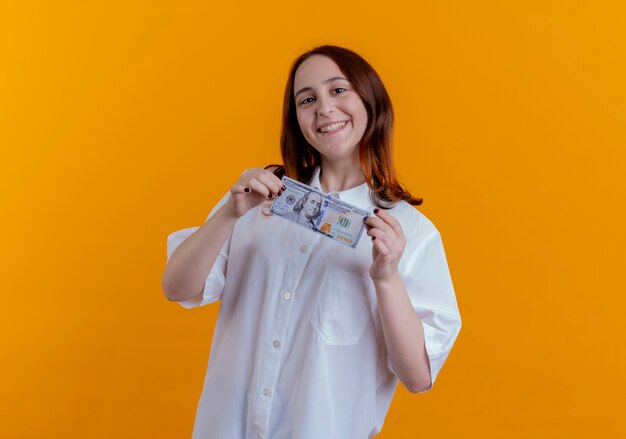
[
  {"x": 390, "y": 220},
  {"x": 378, "y": 223},
  {"x": 380, "y": 246},
  {"x": 275, "y": 178},
  {"x": 238, "y": 189},
  {"x": 265, "y": 210},
  {"x": 271, "y": 182},
  {"x": 379, "y": 235},
  {"x": 259, "y": 188},
  {"x": 278, "y": 181}
]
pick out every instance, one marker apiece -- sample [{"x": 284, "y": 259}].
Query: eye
[
  {"x": 339, "y": 90},
  {"x": 305, "y": 101}
]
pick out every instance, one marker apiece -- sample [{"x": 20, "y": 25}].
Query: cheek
[
  {"x": 303, "y": 119},
  {"x": 362, "y": 114},
  {"x": 362, "y": 121},
  {"x": 304, "y": 124}
]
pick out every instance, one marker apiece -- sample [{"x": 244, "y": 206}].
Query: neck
[{"x": 338, "y": 177}]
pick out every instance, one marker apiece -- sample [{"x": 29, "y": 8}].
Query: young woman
[{"x": 312, "y": 335}]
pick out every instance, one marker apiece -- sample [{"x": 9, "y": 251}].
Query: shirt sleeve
[
  {"x": 427, "y": 280},
  {"x": 215, "y": 281}
]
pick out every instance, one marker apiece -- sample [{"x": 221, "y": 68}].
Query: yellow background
[{"x": 121, "y": 122}]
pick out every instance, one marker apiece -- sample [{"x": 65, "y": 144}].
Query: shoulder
[{"x": 415, "y": 225}]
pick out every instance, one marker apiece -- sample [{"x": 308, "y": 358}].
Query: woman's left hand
[{"x": 387, "y": 244}]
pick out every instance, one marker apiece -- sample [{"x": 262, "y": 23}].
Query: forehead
[
  {"x": 314, "y": 70},
  {"x": 315, "y": 196}
]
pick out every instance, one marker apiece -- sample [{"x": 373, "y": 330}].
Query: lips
[{"x": 331, "y": 127}]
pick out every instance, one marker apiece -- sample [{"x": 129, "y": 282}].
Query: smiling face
[
  {"x": 312, "y": 205},
  {"x": 330, "y": 113}
]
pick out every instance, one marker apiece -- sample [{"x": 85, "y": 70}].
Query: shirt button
[
  {"x": 276, "y": 343},
  {"x": 287, "y": 295},
  {"x": 304, "y": 249},
  {"x": 267, "y": 392}
]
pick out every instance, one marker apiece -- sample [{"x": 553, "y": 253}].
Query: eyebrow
[{"x": 334, "y": 78}]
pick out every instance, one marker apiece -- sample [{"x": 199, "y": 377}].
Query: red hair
[{"x": 375, "y": 152}]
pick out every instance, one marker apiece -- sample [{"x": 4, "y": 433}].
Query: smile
[{"x": 334, "y": 127}]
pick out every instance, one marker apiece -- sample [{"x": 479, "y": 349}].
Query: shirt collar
[{"x": 358, "y": 195}]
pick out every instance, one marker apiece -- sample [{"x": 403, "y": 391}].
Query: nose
[{"x": 325, "y": 106}]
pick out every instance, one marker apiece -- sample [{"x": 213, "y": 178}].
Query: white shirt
[{"x": 298, "y": 349}]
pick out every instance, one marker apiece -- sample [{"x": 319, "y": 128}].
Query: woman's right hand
[{"x": 253, "y": 187}]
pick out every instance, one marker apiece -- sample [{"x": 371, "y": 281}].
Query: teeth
[{"x": 332, "y": 127}]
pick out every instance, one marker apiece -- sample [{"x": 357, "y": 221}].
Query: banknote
[{"x": 320, "y": 213}]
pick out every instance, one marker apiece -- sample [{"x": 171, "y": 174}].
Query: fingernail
[
  {"x": 284, "y": 187},
  {"x": 246, "y": 189},
  {"x": 364, "y": 219},
  {"x": 376, "y": 210},
  {"x": 278, "y": 194},
  {"x": 270, "y": 196},
  {"x": 373, "y": 238}
]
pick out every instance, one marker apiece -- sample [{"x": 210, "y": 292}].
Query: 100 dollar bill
[{"x": 320, "y": 213}]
